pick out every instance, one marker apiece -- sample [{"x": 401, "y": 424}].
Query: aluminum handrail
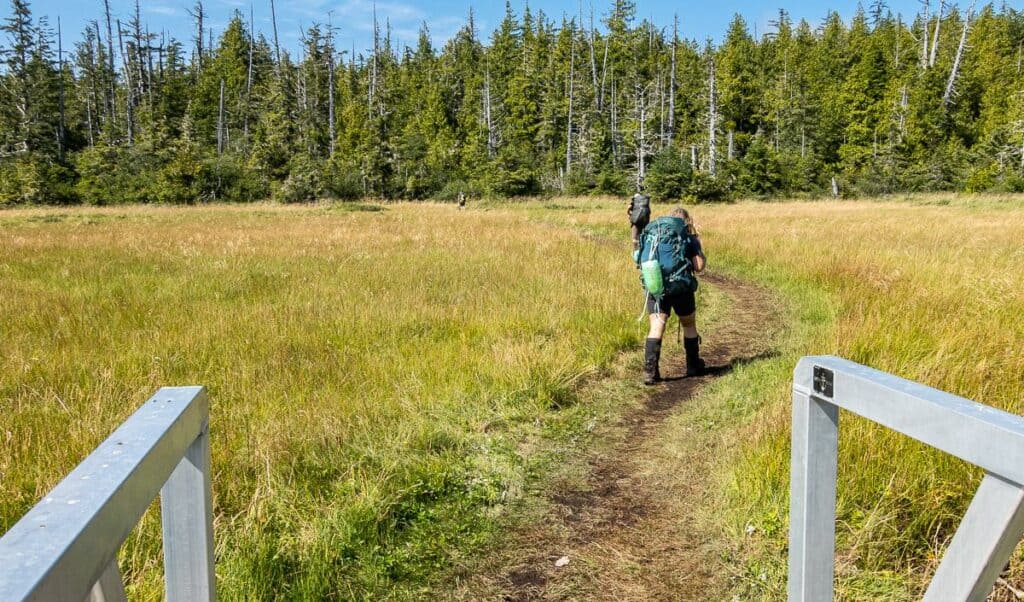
[
  {"x": 65, "y": 547},
  {"x": 984, "y": 436}
]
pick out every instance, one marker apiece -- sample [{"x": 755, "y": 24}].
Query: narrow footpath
[{"x": 632, "y": 531}]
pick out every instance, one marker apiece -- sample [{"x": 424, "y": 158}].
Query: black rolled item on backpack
[
  {"x": 639, "y": 216},
  {"x": 640, "y": 210}
]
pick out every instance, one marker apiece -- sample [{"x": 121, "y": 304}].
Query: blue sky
[{"x": 353, "y": 18}]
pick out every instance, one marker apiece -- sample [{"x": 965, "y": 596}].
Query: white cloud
[
  {"x": 443, "y": 29},
  {"x": 357, "y": 15},
  {"x": 167, "y": 11},
  {"x": 353, "y": 21},
  {"x": 395, "y": 11}
]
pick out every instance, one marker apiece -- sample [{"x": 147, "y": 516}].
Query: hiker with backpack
[{"x": 669, "y": 254}]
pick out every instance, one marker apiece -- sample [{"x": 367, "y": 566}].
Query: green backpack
[{"x": 664, "y": 268}]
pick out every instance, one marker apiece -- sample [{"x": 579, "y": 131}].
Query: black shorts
[{"x": 683, "y": 304}]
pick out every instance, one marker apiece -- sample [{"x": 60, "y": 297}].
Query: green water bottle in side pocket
[{"x": 650, "y": 272}]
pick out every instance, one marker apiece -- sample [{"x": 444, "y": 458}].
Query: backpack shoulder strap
[{"x": 645, "y": 240}]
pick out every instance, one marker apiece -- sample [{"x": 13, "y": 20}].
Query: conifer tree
[{"x": 882, "y": 102}]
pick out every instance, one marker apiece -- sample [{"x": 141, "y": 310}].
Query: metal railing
[
  {"x": 65, "y": 548},
  {"x": 984, "y": 436}
]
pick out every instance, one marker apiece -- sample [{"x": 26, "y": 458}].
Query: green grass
[
  {"x": 373, "y": 375},
  {"x": 928, "y": 288},
  {"x": 931, "y": 292},
  {"x": 391, "y": 383}
]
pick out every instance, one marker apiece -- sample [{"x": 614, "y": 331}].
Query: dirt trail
[{"x": 631, "y": 531}]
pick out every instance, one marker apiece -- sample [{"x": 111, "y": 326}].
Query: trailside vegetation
[
  {"x": 571, "y": 105},
  {"x": 893, "y": 308},
  {"x": 369, "y": 432}
]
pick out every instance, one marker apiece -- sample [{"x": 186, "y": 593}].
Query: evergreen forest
[{"x": 595, "y": 103}]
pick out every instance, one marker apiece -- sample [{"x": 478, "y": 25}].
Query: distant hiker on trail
[{"x": 669, "y": 254}]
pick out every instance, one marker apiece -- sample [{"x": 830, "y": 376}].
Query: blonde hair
[{"x": 685, "y": 215}]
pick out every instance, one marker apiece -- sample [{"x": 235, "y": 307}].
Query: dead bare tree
[
  {"x": 604, "y": 74},
  {"x": 492, "y": 138},
  {"x": 935, "y": 38},
  {"x": 947, "y": 97},
  {"x": 129, "y": 87},
  {"x": 160, "y": 52},
  {"x": 572, "y": 90},
  {"x": 330, "y": 84},
  {"x": 672, "y": 82},
  {"x": 60, "y": 98},
  {"x": 252, "y": 43},
  {"x": 111, "y": 95},
  {"x": 199, "y": 14},
  {"x": 372, "y": 88},
  {"x": 302, "y": 90},
  {"x": 1020, "y": 127},
  {"x": 1018, "y": 124},
  {"x": 615, "y": 125},
  {"x": 712, "y": 114},
  {"x": 140, "y": 64},
  {"x": 593, "y": 57},
  {"x": 661, "y": 106},
  {"x": 220, "y": 121},
  {"x": 149, "y": 64},
  {"x": 902, "y": 115},
  {"x": 248, "y": 75},
  {"x": 925, "y": 20},
  {"x": 277, "y": 44},
  {"x": 642, "y": 144},
  {"x": 92, "y": 97}
]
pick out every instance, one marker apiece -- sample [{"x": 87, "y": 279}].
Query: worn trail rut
[{"x": 631, "y": 530}]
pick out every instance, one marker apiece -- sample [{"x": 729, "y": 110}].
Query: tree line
[{"x": 574, "y": 105}]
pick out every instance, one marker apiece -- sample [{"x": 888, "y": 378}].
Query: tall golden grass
[
  {"x": 931, "y": 290},
  {"x": 374, "y": 373},
  {"x": 927, "y": 287},
  {"x": 371, "y": 372}
]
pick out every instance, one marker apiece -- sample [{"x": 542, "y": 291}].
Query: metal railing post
[
  {"x": 813, "y": 467},
  {"x": 110, "y": 587},
  {"x": 187, "y": 515},
  {"x": 65, "y": 547},
  {"x": 982, "y": 545},
  {"x": 987, "y": 437}
]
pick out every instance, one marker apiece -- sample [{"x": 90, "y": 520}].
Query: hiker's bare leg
[
  {"x": 658, "y": 322},
  {"x": 689, "y": 325}
]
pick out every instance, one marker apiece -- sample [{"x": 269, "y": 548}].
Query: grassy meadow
[
  {"x": 374, "y": 372},
  {"x": 380, "y": 375},
  {"x": 930, "y": 289}
]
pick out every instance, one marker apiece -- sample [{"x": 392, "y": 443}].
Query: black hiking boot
[
  {"x": 652, "y": 353},
  {"x": 694, "y": 365}
]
